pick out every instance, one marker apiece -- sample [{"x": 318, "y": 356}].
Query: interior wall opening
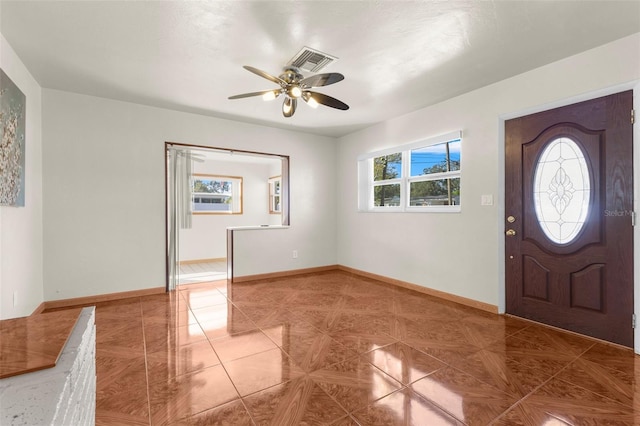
[{"x": 209, "y": 190}]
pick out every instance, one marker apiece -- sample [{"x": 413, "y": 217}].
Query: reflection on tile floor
[
  {"x": 337, "y": 349},
  {"x": 190, "y": 273}
]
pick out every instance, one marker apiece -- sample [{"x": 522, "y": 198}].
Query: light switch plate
[{"x": 486, "y": 200}]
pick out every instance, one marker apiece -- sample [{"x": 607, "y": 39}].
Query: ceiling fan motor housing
[{"x": 291, "y": 75}]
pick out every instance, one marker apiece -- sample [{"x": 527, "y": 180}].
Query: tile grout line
[
  {"x": 179, "y": 295},
  {"x": 222, "y": 363},
  {"x": 553, "y": 376},
  {"x": 146, "y": 362},
  {"x": 331, "y": 398},
  {"x": 590, "y": 390}
]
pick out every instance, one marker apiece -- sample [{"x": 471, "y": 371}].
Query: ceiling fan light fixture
[
  {"x": 309, "y": 100},
  {"x": 271, "y": 95},
  {"x": 294, "y": 91}
]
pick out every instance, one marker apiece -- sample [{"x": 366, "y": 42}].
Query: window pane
[
  {"x": 387, "y": 167},
  {"x": 216, "y": 194},
  {"x": 212, "y": 203},
  {"x": 441, "y": 192},
  {"x": 443, "y": 157},
  {"x": 386, "y": 195}
]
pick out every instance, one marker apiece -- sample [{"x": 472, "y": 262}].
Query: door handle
[{"x": 510, "y": 232}]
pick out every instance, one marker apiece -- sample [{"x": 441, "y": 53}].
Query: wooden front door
[{"x": 569, "y": 214}]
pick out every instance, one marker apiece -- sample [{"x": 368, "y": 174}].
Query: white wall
[
  {"x": 104, "y": 191},
  {"x": 313, "y": 214},
  {"x": 21, "y": 227},
  {"x": 463, "y": 253},
  {"x": 207, "y": 237}
]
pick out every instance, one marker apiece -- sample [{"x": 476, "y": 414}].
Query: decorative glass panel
[
  {"x": 441, "y": 192},
  {"x": 386, "y": 195},
  {"x": 562, "y": 190},
  {"x": 440, "y": 158}
]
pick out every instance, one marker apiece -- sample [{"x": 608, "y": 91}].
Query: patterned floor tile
[
  {"x": 560, "y": 402},
  {"x": 232, "y": 413},
  {"x": 223, "y": 321},
  {"x": 504, "y": 373},
  {"x": 164, "y": 365},
  {"x": 403, "y": 363},
  {"x": 299, "y": 401},
  {"x": 260, "y": 371},
  {"x": 355, "y": 383},
  {"x": 159, "y": 337},
  {"x": 336, "y": 348},
  {"x": 609, "y": 371},
  {"x": 317, "y": 352},
  {"x": 464, "y": 397},
  {"x": 189, "y": 394},
  {"x": 121, "y": 388},
  {"x": 556, "y": 340},
  {"x": 364, "y": 337},
  {"x": 120, "y": 333},
  {"x": 403, "y": 408}
]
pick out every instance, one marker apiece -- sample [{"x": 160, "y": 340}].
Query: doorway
[
  {"x": 209, "y": 190},
  {"x": 568, "y": 217}
]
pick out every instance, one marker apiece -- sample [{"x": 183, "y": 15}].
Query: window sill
[{"x": 439, "y": 209}]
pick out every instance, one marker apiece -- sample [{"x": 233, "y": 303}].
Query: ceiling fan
[{"x": 294, "y": 86}]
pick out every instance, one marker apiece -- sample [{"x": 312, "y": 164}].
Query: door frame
[
  {"x": 501, "y": 211},
  {"x": 285, "y": 199}
]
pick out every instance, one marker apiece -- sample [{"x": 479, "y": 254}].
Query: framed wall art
[{"x": 12, "y": 143}]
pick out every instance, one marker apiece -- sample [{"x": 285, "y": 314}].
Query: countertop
[{"x": 35, "y": 342}]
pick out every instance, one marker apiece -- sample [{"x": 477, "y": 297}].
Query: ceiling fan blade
[
  {"x": 265, "y": 75},
  {"x": 289, "y": 106},
  {"x": 319, "y": 80},
  {"x": 247, "y": 95},
  {"x": 326, "y": 100}
]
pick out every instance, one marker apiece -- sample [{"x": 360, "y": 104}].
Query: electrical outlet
[{"x": 295, "y": 254}]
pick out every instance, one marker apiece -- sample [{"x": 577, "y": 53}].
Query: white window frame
[
  {"x": 275, "y": 195},
  {"x": 366, "y": 183},
  {"x": 236, "y": 204}
]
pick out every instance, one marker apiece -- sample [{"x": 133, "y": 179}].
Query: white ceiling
[{"x": 396, "y": 56}]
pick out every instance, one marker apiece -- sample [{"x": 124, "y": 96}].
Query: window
[
  {"x": 213, "y": 194},
  {"x": 275, "y": 203},
  {"x": 422, "y": 176},
  {"x": 387, "y": 174}
]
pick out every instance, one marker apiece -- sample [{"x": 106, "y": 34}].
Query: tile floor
[
  {"x": 337, "y": 349},
  {"x": 190, "y": 273}
]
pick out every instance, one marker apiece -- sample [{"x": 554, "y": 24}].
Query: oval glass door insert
[{"x": 561, "y": 190}]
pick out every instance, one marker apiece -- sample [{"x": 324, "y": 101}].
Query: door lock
[
  {"x": 511, "y": 219},
  {"x": 510, "y": 232}
]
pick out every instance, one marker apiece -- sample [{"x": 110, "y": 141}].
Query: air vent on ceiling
[{"x": 311, "y": 60}]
